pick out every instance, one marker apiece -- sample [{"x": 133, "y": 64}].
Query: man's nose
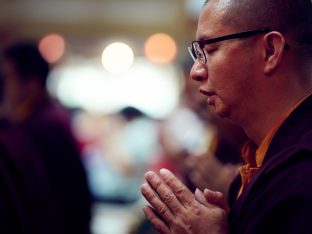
[{"x": 199, "y": 72}]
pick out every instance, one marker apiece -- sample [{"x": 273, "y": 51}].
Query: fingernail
[
  {"x": 149, "y": 175},
  {"x": 198, "y": 192},
  {"x": 164, "y": 171},
  {"x": 207, "y": 190},
  {"x": 144, "y": 187},
  {"x": 200, "y": 197}
]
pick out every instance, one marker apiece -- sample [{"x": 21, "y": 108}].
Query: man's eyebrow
[
  {"x": 203, "y": 38},
  {"x": 205, "y": 35}
]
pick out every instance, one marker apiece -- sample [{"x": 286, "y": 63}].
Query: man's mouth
[
  {"x": 209, "y": 94},
  {"x": 206, "y": 92}
]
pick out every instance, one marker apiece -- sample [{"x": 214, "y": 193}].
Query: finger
[
  {"x": 216, "y": 198},
  {"x": 200, "y": 197},
  {"x": 164, "y": 192},
  {"x": 157, "y": 222},
  {"x": 185, "y": 196},
  {"x": 156, "y": 202}
]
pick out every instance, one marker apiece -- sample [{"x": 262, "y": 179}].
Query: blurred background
[{"x": 122, "y": 68}]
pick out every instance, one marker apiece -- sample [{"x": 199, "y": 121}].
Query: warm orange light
[
  {"x": 160, "y": 48},
  {"x": 52, "y": 47}
]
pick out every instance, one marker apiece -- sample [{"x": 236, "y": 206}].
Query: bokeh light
[
  {"x": 146, "y": 86},
  {"x": 52, "y": 47},
  {"x": 160, "y": 48},
  {"x": 117, "y": 57}
]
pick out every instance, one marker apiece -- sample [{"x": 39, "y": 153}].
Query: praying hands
[{"x": 175, "y": 209}]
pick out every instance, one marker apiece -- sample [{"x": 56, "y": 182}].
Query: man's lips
[
  {"x": 209, "y": 94},
  {"x": 206, "y": 92}
]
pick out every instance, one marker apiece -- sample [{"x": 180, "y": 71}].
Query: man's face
[
  {"x": 13, "y": 87},
  {"x": 227, "y": 77}
]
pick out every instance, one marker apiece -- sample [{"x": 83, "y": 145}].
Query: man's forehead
[
  {"x": 210, "y": 20},
  {"x": 218, "y": 5}
]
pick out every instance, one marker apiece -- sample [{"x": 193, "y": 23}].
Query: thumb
[{"x": 216, "y": 198}]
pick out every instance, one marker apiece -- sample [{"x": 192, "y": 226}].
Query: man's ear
[{"x": 274, "y": 47}]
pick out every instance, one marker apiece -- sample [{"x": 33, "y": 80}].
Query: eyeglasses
[{"x": 197, "y": 52}]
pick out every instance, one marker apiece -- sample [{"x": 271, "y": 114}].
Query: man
[
  {"x": 46, "y": 126},
  {"x": 260, "y": 78}
]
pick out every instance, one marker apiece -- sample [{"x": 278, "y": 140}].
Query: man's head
[
  {"x": 24, "y": 73},
  {"x": 290, "y": 17},
  {"x": 27, "y": 61},
  {"x": 244, "y": 75}
]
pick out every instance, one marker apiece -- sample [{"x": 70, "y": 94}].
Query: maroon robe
[
  {"x": 279, "y": 197},
  {"x": 49, "y": 129},
  {"x": 26, "y": 204}
]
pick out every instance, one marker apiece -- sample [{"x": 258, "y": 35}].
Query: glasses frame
[{"x": 201, "y": 43}]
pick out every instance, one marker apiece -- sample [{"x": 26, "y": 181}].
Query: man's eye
[{"x": 210, "y": 50}]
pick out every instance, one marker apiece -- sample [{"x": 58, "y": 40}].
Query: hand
[
  {"x": 213, "y": 197},
  {"x": 205, "y": 171},
  {"x": 175, "y": 209}
]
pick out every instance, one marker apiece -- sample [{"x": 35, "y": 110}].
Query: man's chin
[{"x": 220, "y": 113}]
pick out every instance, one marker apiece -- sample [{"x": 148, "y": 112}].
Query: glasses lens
[
  {"x": 192, "y": 53},
  {"x": 199, "y": 53}
]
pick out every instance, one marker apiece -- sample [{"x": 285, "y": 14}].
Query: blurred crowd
[
  {"x": 43, "y": 183},
  {"x": 201, "y": 149},
  {"x": 56, "y": 163}
]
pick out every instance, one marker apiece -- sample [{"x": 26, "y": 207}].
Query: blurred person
[
  {"x": 178, "y": 142},
  {"x": 218, "y": 166},
  {"x": 206, "y": 171},
  {"x": 131, "y": 149},
  {"x": 46, "y": 124},
  {"x": 117, "y": 149},
  {"x": 253, "y": 59},
  {"x": 26, "y": 202}
]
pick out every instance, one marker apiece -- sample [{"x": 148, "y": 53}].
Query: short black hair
[
  {"x": 286, "y": 16},
  {"x": 28, "y": 60}
]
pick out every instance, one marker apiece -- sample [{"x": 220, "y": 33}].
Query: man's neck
[{"x": 264, "y": 121}]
